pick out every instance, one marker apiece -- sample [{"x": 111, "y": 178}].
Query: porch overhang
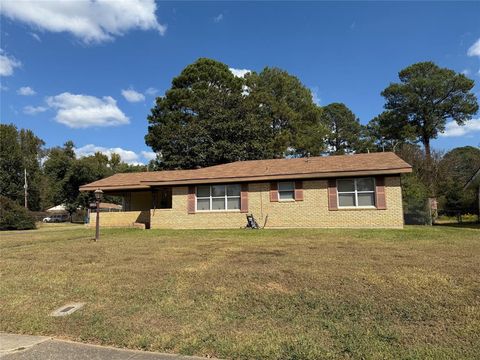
[{"x": 107, "y": 188}]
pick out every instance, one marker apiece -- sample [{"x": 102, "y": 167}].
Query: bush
[
  {"x": 13, "y": 216},
  {"x": 415, "y": 200}
]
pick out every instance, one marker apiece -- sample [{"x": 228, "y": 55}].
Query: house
[
  {"x": 474, "y": 183},
  {"x": 103, "y": 207},
  {"x": 57, "y": 209},
  {"x": 349, "y": 191}
]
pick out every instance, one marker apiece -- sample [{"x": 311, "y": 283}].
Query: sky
[{"x": 89, "y": 71}]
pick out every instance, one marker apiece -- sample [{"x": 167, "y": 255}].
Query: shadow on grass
[{"x": 465, "y": 225}]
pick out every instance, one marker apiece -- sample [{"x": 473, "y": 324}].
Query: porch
[{"x": 136, "y": 208}]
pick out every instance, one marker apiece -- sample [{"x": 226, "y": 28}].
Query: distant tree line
[
  {"x": 53, "y": 175},
  {"x": 209, "y": 116}
]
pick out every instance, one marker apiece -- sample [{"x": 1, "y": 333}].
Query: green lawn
[{"x": 274, "y": 294}]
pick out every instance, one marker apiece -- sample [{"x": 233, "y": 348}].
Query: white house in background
[
  {"x": 57, "y": 208},
  {"x": 103, "y": 207}
]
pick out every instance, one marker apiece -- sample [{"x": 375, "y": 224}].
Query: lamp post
[{"x": 98, "y": 197}]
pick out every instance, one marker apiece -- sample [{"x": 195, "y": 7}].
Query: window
[
  {"x": 218, "y": 197},
  {"x": 286, "y": 191},
  {"x": 356, "y": 192}
]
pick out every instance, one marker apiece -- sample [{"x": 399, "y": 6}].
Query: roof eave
[
  {"x": 278, "y": 177},
  {"x": 113, "y": 188}
]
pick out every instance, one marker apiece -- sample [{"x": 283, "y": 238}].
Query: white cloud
[
  {"x": 240, "y": 72},
  {"x": 466, "y": 72},
  {"x": 149, "y": 155},
  {"x": 33, "y": 110},
  {"x": 452, "y": 129},
  {"x": 218, "y": 18},
  {"x": 132, "y": 96},
  {"x": 26, "y": 91},
  {"x": 474, "y": 50},
  {"x": 7, "y": 63},
  {"x": 82, "y": 111},
  {"x": 315, "y": 97},
  {"x": 36, "y": 37},
  {"x": 127, "y": 156},
  {"x": 151, "y": 91},
  {"x": 92, "y": 21}
]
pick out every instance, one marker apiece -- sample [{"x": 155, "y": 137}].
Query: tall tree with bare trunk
[{"x": 426, "y": 97}]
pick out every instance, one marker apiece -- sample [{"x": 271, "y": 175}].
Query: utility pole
[
  {"x": 25, "y": 186},
  {"x": 98, "y": 198}
]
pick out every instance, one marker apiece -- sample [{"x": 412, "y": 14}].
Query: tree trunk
[
  {"x": 428, "y": 166},
  {"x": 430, "y": 182}
]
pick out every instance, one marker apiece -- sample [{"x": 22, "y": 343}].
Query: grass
[
  {"x": 465, "y": 218},
  {"x": 270, "y": 294}
]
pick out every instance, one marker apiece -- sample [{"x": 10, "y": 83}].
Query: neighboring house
[
  {"x": 103, "y": 207},
  {"x": 57, "y": 209},
  {"x": 474, "y": 183},
  {"x": 352, "y": 191}
]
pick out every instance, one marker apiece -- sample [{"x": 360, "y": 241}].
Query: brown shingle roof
[{"x": 257, "y": 170}]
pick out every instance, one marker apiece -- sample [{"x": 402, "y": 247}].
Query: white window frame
[
  {"x": 356, "y": 192},
  {"x": 279, "y": 191},
  {"x": 225, "y": 197}
]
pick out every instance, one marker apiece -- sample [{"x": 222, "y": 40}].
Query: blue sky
[{"x": 64, "y": 66}]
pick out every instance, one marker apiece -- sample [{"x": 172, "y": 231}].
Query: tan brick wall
[
  {"x": 120, "y": 219},
  {"x": 312, "y": 212}
]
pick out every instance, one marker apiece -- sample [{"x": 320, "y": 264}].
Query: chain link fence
[{"x": 423, "y": 213}]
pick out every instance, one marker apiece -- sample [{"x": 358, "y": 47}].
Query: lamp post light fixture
[{"x": 98, "y": 197}]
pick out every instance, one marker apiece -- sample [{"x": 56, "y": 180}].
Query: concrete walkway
[{"x": 26, "y": 347}]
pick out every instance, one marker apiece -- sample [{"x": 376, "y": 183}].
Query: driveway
[{"x": 26, "y": 347}]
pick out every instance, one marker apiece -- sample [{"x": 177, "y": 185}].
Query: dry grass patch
[{"x": 276, "y": 294}]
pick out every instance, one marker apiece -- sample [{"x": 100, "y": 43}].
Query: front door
[{"x": 162, "y": 198}]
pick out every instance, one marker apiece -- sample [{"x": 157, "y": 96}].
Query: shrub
[
  {"x": 13, "y": 216},
  {"x": 415, "y": 200}
]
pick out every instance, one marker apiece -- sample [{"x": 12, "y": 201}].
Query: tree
[
  {"x": 415, "y": 200},
  {"x": 424, "y": 100},
  {"x": 20, "y": 150},
  {"x": 345, "y": 133},
  {"x": 64, "y": 174},
  {"x": 211, "y": 117},
  {"x": 382, "y": 135},
  {"x": 59, "y": 162},
  {"x": 415, "y": 189},
  {"x": 281, "y": 102},
  {"x": 115, "y": 161},
  {"x": 455, "y": 169},
  {"x": 199, "y": 122},
  {"x": 13, "y": 216},
  {"x": 84, "y": 170}
]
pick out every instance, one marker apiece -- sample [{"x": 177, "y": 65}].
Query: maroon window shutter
[
  {"x": 273, "y": 191},
  {"x": 332, "y": 194},
  {"x": 380, "y": 201},
  {"x": 298, "y": 190},
  {"x": 244, "y": 198},
  {"x": 191, "y": 200}
]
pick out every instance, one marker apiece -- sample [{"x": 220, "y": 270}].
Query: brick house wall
[
  {"x": 120, "y": 218},
  {"x": 312, "y": 212}
]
